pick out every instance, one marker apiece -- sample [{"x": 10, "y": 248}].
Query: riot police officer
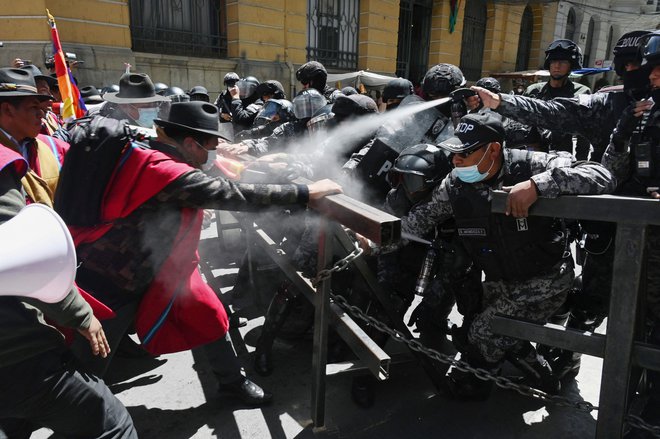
[
  {"x": 633, "y": 156},
  {"x": 561, "y": 57},
  {"x": 314, "y": 75}
]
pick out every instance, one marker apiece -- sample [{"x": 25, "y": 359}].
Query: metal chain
[
  {"x": 340, "y": 265},
  {"x": 482, "y": 374},
  {"x": 637, "y": 422}
]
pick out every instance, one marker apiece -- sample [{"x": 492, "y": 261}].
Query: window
[
  {"x": 525, "y": 39},
  {"x": 178, "y": 27},
  {"x": 332, "y": 32},
  {"x": 588, "y": 45},
  {"x": 570, "y": 25}
]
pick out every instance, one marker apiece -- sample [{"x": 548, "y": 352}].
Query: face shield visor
[
  {"x": 245, "y": 88},
  {"x": 307, "y": 103}
]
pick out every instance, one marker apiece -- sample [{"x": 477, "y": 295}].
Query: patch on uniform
[
  {"x": 472, "y": 231},
  {"x": 521, "y": 224}
]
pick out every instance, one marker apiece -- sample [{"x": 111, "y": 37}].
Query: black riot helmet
[
  {"x": 230, "y": 79},
  {"x": 176, "y": 94},
  {"x": 627, "y": 50},
  {"x": 490, "y": 84},
  {"x": 650, "y": 50},
  {"x": 563, "y": 50},
  {"x": 313, "y": 74},
  {"x": 442, "y": 79},
  {"x": 247, "y": 86},
  {"x": 160, "y": 88},
  {"x": 419, "y": 169},
  {"x": 397, "y": 88}
]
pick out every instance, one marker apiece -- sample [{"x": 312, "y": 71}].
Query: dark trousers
[
  {"x": 220, "y": 353},
  {"x": 46, "y": 391}
]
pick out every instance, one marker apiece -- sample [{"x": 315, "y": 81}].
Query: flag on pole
[{"x": 73, "y": 106}]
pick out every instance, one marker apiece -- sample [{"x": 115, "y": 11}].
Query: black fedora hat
[
  {"x": 19, "y": 83},
  {"x": 135, "y": 88},
  {"x": 91, "y": 95},
  {"x": 36, "y": 74},
  {"x": 196, "y": 117}
]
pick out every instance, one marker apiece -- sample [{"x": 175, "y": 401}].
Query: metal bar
[
  {"x": 590, "y": 207},
  {"x": 368, "y": 352},
  {"x": 647, "y": 356},
  {"x": 617, "y": 363},
  {"x": 551, "y": 335},
  {"x": 434, "y": 375},
  {"x": 375, "y": 359},
  {"x": 321, "y": 305}
]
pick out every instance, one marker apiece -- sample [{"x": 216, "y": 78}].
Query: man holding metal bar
[{"x": 526, "y": 261}]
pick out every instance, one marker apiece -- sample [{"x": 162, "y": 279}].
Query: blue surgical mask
[
  {"x": 147, "y": 116},
  {"x": 471, "y": 174}
]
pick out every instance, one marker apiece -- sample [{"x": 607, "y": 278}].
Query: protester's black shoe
[
  {"x": 128, "y": 348},
  {"x": 247, "y": 391},
  {"x": 263, "y": 363},
  {"x": 362, "y": 391}
]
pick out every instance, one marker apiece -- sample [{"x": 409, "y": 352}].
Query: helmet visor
[
  {"x": 306, "y": 104},
  {"x": 561, "y": 45},
  {"x": 651, "y": 50},
  {"x": 245, "y": 88},
  {"x": 411, "y": 182}
]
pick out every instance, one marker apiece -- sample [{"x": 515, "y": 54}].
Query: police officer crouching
[{"x": 528, "y": 271}]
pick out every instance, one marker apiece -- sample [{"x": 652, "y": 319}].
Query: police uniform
[
  {"x": 527, "y": 269},
  {"x": 559, "y": 140}
]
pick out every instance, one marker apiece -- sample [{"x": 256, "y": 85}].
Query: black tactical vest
[
  {"x": 645, "y": 156},
  {"x": 504, "y": 247}
]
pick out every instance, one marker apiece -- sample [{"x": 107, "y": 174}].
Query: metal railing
[{"x": 620, "y": 350}]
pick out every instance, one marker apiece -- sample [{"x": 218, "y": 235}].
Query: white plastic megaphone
[{"x": 37, "y": 255}]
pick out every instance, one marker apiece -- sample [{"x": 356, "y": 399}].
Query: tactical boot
[
  {"x": 536, "y": 370},
  {"x": 278, "y": 310},
  {"x": 466, "y": 386}
]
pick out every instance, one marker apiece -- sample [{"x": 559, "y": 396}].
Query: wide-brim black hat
[
  {"x": 36, "y": 74},
  {"x": 196, "y": 117},
  {"x": 91, "y": 95},
  {"x": 19, "y": 83},
  {"x": 135, "y": 88}
]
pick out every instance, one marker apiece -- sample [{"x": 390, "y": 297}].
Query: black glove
[{"x": 624, "y": 128}]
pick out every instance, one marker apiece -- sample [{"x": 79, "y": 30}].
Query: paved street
[{"x": 174, "y": 396}]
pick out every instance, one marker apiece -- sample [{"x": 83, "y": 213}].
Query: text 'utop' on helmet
[
  {"x": 563, "y": 50},
  {"x": 442, "y": 79},
  {"x": 307, "y": 103}
]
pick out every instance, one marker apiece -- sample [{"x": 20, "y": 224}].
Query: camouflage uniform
[
  {"x": 559, "y": 140},
  {"x": 591, "y": 116},
  {"x": 536, "y": 297}
]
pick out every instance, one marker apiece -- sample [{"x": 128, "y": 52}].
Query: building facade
[{"x": 195, "y": 42}]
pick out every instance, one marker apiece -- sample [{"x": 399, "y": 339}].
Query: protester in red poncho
[{"x": 141, "y": 259}]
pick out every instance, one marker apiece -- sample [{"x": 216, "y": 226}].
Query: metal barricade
[{"x": 620, "y": 351}]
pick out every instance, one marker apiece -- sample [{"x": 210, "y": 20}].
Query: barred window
[
  {"x": 332, "y": 32},
  {"x": 179, "y": 27}
]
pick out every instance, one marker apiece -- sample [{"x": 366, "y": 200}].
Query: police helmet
[
  {"x": 280, "y": 107},
  {"x": 272, "y": 88},
  {"x": 230, "y": 79},
  {"x": 353, "y": 105},
  {"x": 563, "y": 50},
  {"x": 312, "y": 73},
  {"x": 199, "y": 93},
  {"x": 442, "y": 79},
  {"x": 247, "y": 86},
  {"x": 627, "y": 50},
  {"x": 113, "y": 88},
  {"x": 307, "y": 103},
  {"x": 650, "y": 50},
  {"x": 176, "y": 94},
  {"x": 397, "y": 88},
  {"x": 490, "y": 84},
  {"x": 160, "y": 88},
  {"x": 347, "y": 91},
  {"x": 419, "y": 168}
]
